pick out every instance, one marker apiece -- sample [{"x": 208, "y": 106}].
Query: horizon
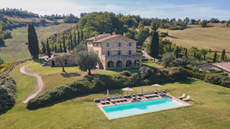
[{"x": 146, "y": 9}]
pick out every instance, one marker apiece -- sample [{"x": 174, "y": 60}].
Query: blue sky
[{"x": 197, "y": 9}]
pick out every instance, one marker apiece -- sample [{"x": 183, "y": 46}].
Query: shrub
[
  {"x": 144, "y": 72},
  {"x": 177, "y": 73},
  {"x": 126, "y": 73},
  {"x": 7, "y": 94},
  {"x": 218, "y": 79},
  {"x": 168, "y": 58},
  {"x": 194, "y": 74}
]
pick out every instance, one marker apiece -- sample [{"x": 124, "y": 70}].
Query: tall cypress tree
[
  {"x": 74, "y": 39},
  {"x": 222, "y": 54},
  {"x": 55, "y": 49},
  {"x": 155, "y": 45},
  {"x": 214, "y": 57},
  {"x": 60, "y": 48},
  {"x": 71, "y": 44},
  {"x": 48, "y": 49},
  {"x": 78, "y": 37},
  {"x": 43, "y": 47},
  {"x": 33, "y": 42},
  {"x": 176, "y": 52},
  {"x": 185, "y": 53},
  {"x": 82, "y": 35},
  {"x": 64, "y": 43}
]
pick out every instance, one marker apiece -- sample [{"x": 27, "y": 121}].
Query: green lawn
[
  {"x": 214, "y": 38},
  {"x": 16, "y": 48},
  {"x": 210, "y": 109}
]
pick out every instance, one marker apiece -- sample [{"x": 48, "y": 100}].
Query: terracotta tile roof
[
  {"x": 103, "y": 37},
  {"x": 225, "y": 66}
]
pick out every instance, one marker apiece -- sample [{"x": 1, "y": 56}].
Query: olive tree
[
  {"x": 87, "y": 60},
  {"x": 168, "y": 58},
  {"x": 61, "y": 60}
]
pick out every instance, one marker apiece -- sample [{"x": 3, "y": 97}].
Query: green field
[
  {"x": 210, "y": 109},
  {"x": 16, "y": 48},
  {"x": 214, "y": 37}
]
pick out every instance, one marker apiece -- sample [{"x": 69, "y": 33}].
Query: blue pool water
[{"x": 140, "y": 107}]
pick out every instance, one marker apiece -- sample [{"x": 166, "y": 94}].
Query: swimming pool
[{"x": 140, "y": 107}]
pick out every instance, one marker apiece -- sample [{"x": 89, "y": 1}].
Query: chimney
[
  {"x": 95, "y": 39},
  {"x": 124, "y": 34},
  {"x": 104, "y": 33},
  {"x": 114, "y": 33}
]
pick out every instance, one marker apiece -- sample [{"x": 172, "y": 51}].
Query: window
[
  {"x": 108, "y": 53},
  {"x": 96, "y": 45},
  {"x": 130, "y": 52},
  {"x": 119, "y": 52},
  {"x": 118, "y": 44},
  {"x": 130, "y": 44},
  {"x": 107, "y": 44}
]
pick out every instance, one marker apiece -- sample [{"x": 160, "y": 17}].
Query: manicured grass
[
  {"x": 16, "y": 48},
  {"x": 36, "y": 66},
  {"x": 214, "y": 38},
  {"x": 210, "y": 109}
]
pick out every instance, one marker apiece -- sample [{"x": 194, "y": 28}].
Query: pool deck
[{"x": 130, "y": 100}]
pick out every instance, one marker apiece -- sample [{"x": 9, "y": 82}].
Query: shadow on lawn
[
  {"x": 68, "y": 75},
  {"x": 187, "y": 81}
]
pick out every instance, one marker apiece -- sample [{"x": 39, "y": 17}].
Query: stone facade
[
  {"x": 51, "y": 61},
  {"x": 114, "y": 51}
]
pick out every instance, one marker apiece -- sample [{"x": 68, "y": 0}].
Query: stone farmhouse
[
  {"x": 51, "y": 61},
  {"x": 114, "y": 51}
]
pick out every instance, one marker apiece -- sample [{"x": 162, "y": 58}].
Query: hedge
[
  {"x": 194, "y": 74},
  {"x": 90, "y": 84}
]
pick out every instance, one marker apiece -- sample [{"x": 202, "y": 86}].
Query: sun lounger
[
  {"x": 137, "y": 96},
  {"x": 120, "y": 98},
  {"x": 112, "y": 99},
  {"x": 123, "y": 98},
  {"x": 132, "y": 96},
  {"x": 152, "y": 94},
  {"x": 187, "y": 98},
  {"x": 102, "y": 101},
  {"x": 147, "y": 95},
  {"x": 106, "y": 100},
  {"x": 182, "y": 96},
  {"x": 117, "y": 99}
]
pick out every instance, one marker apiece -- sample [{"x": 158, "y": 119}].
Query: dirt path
[
  {"x": 144, "y": 53},
  {"x": 39, "y": 80}
]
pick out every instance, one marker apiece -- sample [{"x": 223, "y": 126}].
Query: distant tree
[
  {"x": 185, "y": 53},
  {"x": 193, "y": 21},
  {"x": 82, "y": 36},
  {"x": 87, "y": 60},
  {"x": 42, "y": 22},
  {"x": 186, "y": 20},
  {"x": 71, "y": 44},
  {"x": 74, "y": 39},
  {"x": 43, "y": 47},
  {"x": 228, "y": 23},
  {"x": 203, "y": 23},
  {"x": 177, "y": 52},
  {"x": 179, "y": 20},
  {"x": 64, "y": 46},
  {"x": 55, "y": 22},
  {"x": 141, "y": 25},
  {"x": 141, "y": 36},
  {"x": 223, "y": 55},
  {"x": 203, "y": 52},
  {"x": 33, "y": 42},
  {"x": 155, "y": 25},
  {"x": 33, "y": 21},
  {"x": 61, "y": 60},
  {"x": 1, "y": 61},
  {"x": 214, "y": 57},
  {"x": 48, "y": 49},
  {"x": 168, "y": 58}
]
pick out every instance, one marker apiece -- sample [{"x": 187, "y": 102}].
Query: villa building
[
  {"x": 114, "y": 51},
  {"x": 51, "y": 61}
]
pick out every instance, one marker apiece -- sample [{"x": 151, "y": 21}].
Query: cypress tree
[
  {"x": 82, "y": 35},
  {"x": 64, "y": 43},
  {"x": 176, "y": 52},
  {"x": 222, "y": 54},
  {"x": 155, "y": 45},
  {"x": 33, "y": 42},
  {"x": 214, "y": 58},
  {"x": 78, "y": 37},
  {"x": 74, "y": 39},
  {"x": 71, "y": 43},
  {"x": 48, "y": 49},
  {"x": 43, "y": 47},
  {"x": 55, "y": 49},
  {"x": 185, "y": 52},
  {"x": 60, "y": 48}
]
